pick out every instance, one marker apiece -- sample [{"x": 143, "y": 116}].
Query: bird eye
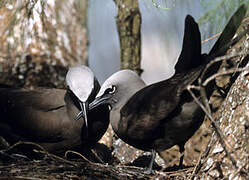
[{"x": 110, "y": 90}]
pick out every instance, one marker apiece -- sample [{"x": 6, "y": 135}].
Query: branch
[{"x": 205, "y": 103}]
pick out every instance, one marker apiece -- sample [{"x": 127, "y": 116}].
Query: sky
[{"x": 162, "y": 34}]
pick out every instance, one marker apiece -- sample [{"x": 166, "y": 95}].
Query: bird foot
[{"x": 181, "y": 166}]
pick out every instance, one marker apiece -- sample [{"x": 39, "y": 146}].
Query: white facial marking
[
  {"x": 124, "y": 83},
  {"x": 80, "y": 80},
  {"x": 120, "y": 77}
]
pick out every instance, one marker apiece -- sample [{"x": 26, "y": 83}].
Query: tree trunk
[
  {"x": 40, "y": 40},
  {"x": 232, "y": 118},
  {"x": 129, "y": 25}
]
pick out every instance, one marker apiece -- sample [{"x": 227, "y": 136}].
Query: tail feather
[
  {"x": 190, "y": 56},
  {"x": 228, "y": 32},
  {"x": 222, "y": 45}
]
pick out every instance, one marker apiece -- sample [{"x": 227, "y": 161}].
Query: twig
[
  {"x": 214, "y": 125},
  {"x": 20, "y": 143},
  {"x": 54, "y": 157},
  {"x": 79, "y": 154},
  {"x": 197, "y": 166},
  {"x": 242, "y": 171},
  {"x": 189, "y": 87},
  {"x": 204, "y": 156},
  {"x": 210, "y": 38},
  {"x": 221, "y": 58},
  {"x": 20, "y": 177},
  {"x": 206, "y": 108},
  {"x": 41, "y": 151},
  {"x": 226, "y": 47},
  {"x": 212, "y": 58},
  {"x": 234, "y": 70}
]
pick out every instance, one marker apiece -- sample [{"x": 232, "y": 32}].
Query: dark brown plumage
[
  {"x": 46, "y": 116},
  {"x": 164, "y": 114}
]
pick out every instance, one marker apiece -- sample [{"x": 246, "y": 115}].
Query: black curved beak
[
  {"x": 83, "y": 113},
  {"x": 99, "y": 101}
]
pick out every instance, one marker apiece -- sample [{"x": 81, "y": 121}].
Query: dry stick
[
  {"x": 203, "y": 92},
  {"x": 216, "y": 127},
  {"x": 234, "y": 70},
  {"x": 20, "y": 143},
  {"x": 54, "y": 157},
  {"x": 226, "y": 47},
  {"x": 204, "y": 156},
  {"x": 210, "y": 38},
  {"x": 207, "y": 110},
  {"x": 22, "y": 177},
  {"x": 231, "y": 42},
  {"x": 189, "y": 87},
  {"x": 221, "y": 58},
  {"x": 42, "y": 151},
  {"x": 200, "y": 104},
  {"x": 242, "y": 170},
  {"x": 84, "y": 158},
  {"x": 197, "y": 167},
  {"x": 213, "y": 123},
  {"x": 80, "y": 155}
]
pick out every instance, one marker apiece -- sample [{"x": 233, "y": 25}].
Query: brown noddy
[
  {"x": 163, "y": 114},
  {"x": 47, "y": 116}
]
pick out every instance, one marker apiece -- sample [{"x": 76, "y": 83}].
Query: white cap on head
[
  {"x": 80, "y": 80},
  {"x": 127, "y": 82},
  {"x": 118, "y": 89}
]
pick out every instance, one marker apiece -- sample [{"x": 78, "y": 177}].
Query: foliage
[
  {"x": 159, "y": 6},
  {"x": 219, "y": 11}
]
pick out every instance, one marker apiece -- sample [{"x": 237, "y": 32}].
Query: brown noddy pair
[
  {"x": 163, "y": 114},
  {"x": 50, "y": 117}
]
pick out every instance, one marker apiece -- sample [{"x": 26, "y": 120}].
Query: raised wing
[
  {"x": 190, "y": 56},
  {"x": 220, "y": 47}
]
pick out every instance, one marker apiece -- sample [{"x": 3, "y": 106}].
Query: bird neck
[{"x": 121, "y": 99}]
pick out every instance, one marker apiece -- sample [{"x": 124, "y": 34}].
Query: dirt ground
[{"x": 29, "y": 161}]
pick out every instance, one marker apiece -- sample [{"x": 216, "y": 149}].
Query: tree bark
[
  {"x": 40, "y": 40},
  {"x": 129, "y": 25},
  {"x": 232, "y": 118}
]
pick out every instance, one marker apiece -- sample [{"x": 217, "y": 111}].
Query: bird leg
[
  {"x": 150, "y": 168},
  {"x": 181, "y": 149}
]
